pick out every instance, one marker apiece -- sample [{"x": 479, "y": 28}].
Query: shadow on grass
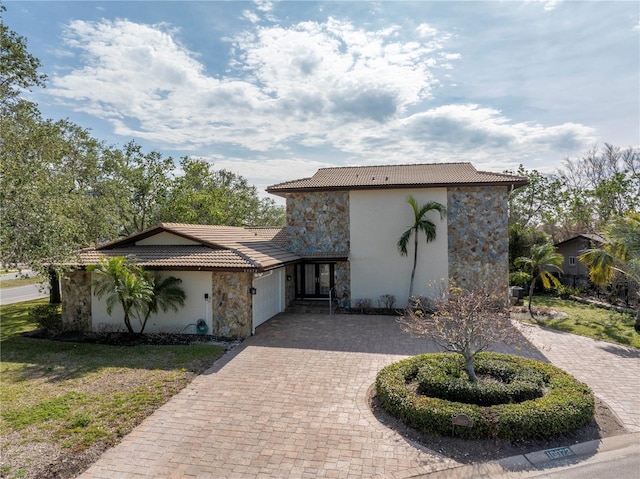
[{"x": 54, "y": 361}]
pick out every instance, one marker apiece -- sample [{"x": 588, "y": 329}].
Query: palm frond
[{"x": 404, "y": 241}]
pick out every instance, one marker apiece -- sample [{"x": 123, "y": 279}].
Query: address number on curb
[{"x": 559, "y": 453}]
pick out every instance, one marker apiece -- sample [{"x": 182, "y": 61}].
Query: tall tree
[
  {"x": 620, "y": 254},
  {"x": 18, "y": 68},
  {"x": 540, "y": 264},
  {"x": 138, "y": 184},
  {"x": 123, "y": 282},
  {"x": 217, "y": 197},
  {"x": 420, "y": 224}
]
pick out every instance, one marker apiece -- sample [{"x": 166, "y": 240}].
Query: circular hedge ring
[{"x": 540, "y": 400}]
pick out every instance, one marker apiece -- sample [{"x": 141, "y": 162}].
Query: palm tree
[
  {"x": 620, "y": 253},
  {"x": 124, "y": 282},
  {"x": 542, "y": 260},
  {"x": 166, "y": 295},
  {"x": 421, "y": 223}
]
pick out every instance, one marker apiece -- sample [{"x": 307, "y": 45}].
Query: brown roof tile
[
  {"x": 397, "y": 176},
  {"x": 228, "y": 247},
  {"x": 196, "y": 257}
]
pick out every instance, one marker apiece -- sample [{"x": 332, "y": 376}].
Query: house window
[{"x": 572, "y": 260}]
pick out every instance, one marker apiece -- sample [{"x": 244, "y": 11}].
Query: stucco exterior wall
[
  {"x": 165, "y": 238},
  {"x": 318, "y": 222},
  {"x": 377, "y": 219},
  {"x": 195, "y": 284},
  {"x": 232, "y": 315},
  {"x": 478, "y": 234},
  {"x": 76, "y": 300}
]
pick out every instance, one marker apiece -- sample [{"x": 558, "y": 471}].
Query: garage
[{"x": 268, "y": 299}]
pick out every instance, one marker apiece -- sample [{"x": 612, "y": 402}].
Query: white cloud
[
  {"x": 331, "y": 86},
  {"x": 290, "y": 81},
  {"x": 425, "y": 30},
  {"x": 548, "y": 5}
]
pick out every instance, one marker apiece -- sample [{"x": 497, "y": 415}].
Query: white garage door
[{"x": 268, "y": 301}]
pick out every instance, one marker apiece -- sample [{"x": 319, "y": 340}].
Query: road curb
[{"x": 519, "y": 466}]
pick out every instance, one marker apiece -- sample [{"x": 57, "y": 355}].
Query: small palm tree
[
  {"x": 421, "y": 223},
  {"x": 123, "y": 282},
  {"x": 542, "y": 260},
  {"x": 620, "y": 253},
  {"x": 167, "y": 294}
]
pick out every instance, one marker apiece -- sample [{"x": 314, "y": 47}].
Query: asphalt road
[{"x": 23, "y": 293}]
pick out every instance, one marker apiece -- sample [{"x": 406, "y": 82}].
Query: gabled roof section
[
  {"x": 429, "y": 175},
  {"x": 592, "y": 237},
  {"x": 219, "y": 247}
]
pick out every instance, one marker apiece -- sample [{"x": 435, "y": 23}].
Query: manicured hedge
[
  {"x": 565, "y": 404},
  {"x": 445, "y": 378}
]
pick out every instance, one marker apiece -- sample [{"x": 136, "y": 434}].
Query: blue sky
[{"x": 275, "y": 90}]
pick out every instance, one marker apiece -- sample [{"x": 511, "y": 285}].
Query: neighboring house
[
  {"x": 341, "y": 237},
  {"x": 575, "y": 273}
]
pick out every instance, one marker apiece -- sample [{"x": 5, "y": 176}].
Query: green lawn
[
  {"x": 589, "y": 321},
  {"x": 62, "y": 400}
]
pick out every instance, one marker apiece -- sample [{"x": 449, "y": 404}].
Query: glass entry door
[{"x": 315, "y": 280}]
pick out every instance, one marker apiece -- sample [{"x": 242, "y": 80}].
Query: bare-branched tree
[{"x": 464, "y": 320}]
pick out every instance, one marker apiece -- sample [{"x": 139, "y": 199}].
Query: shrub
[
  {"x": 565, "y": 405},
  {"x": 387, "y": 301},
  {"x": 519, "y": 278},
  {"x": 47, "y": 317},
  {"x": 565, "y": 292},
  {"x": 503, "y": 382}
]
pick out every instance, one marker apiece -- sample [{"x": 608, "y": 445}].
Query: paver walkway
[
  {"x": 610, "y": 370},
  {"x": 290, "y": 402}
]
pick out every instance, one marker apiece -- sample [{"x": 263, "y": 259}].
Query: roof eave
[{"x": 310, "y": 189}]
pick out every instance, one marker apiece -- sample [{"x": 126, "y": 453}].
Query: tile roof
[
  {"x": 220, "y": 247},
  {"x": 397, "y": 176},
  {"x": 184, "y": 257}
]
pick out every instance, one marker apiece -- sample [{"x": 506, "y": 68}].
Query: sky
[{"x": 275, "y": 90}]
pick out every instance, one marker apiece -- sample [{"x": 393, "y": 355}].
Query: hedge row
[{"x": 566, "y": 404}]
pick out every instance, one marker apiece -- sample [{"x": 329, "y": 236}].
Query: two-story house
[{"x": 343, "y": 225}]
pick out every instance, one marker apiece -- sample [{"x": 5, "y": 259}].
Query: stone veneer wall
[
  {"x": 231, "y": 301},
  {"x": 76, "y": 300},
  {"x": 478, "y": 234},
  {"x": 318, "y": 222},
  {"x": 343, "y": 281}
]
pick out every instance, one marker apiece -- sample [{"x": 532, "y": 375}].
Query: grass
[
  {"x": 65, "y": 399},
  {"x": 590, "y": 321},
  {"x": 15, "y": 282}
]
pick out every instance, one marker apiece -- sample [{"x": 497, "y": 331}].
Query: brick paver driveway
[{"x": 290, "y": 401}]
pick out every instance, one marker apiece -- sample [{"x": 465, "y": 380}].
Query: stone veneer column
[
  {"x": 478, "y": 234},
  {"x": 343, "y": 281},
  {"x": 231, "y": 302},
  {"x": 76, "y": 300}
]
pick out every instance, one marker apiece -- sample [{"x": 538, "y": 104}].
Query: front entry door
[{"x": 316, "y": 279}]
